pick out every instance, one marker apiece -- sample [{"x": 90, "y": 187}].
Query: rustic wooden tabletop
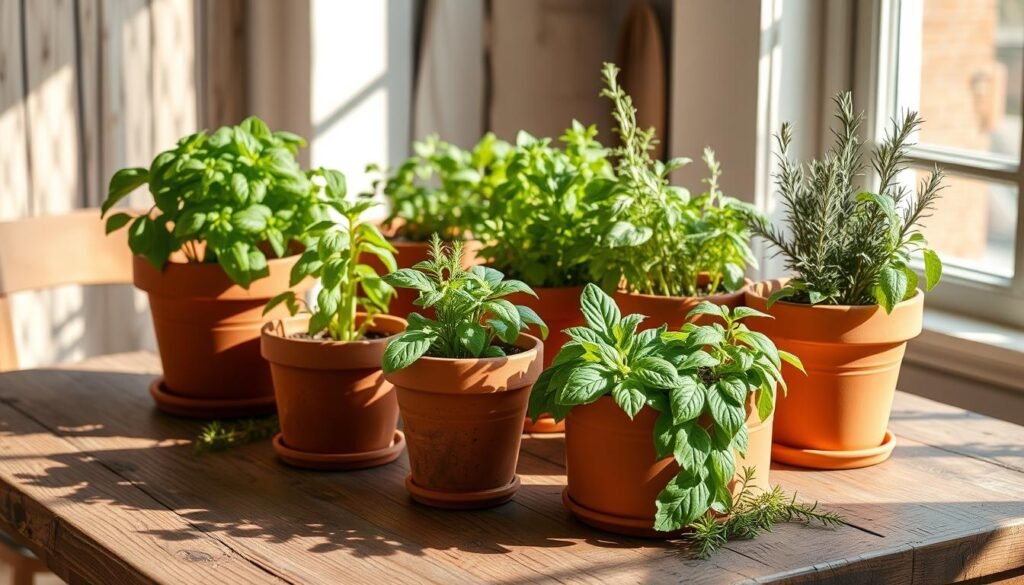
[{"x": 107, "y": 490}]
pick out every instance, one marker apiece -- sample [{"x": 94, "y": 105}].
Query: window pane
[
  {"x": 974, "y": 224},
  {"x": 960, "y": 65}
]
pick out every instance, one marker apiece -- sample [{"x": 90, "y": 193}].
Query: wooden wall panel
[
  {"x": 89, "y": 80},
  {"x": 52, "y": 105},
  {"x": 14, "y": 177},
  {"x": 174, "y": 76},
  {"x": 127, "y": 92}
]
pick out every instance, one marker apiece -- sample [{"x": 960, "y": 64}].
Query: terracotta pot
[
  {"x": 464, "y": 422},
  {"x": 559, "y": 307},
  {"x": 410, "y": 253},
  {"x": 336, "y": 409},
  {"x": 614, "y": 477},
  {"x": 852, "y": 355},
  {"x": 208, "y": 332},
  {"x": 672, "y": 310}
]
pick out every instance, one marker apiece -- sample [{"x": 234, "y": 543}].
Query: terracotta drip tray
[
  {"x": 625, "y": 525},
  {"x": 544, "y": 424},
  {"x": 190, "y": 407},
  {"x": 462, "y": 500},
  {"x": 821, "y": 459},
  {"x": 339, "y": 461}
]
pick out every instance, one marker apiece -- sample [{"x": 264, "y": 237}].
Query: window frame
[{"x": 962, "y": 290}]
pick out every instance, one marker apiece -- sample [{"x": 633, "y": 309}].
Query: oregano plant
[
  {"x": 442, "y": 188},
  {"x": 844, "y": 244},
  {"x": 659, "y": 238},
  {"x": 699, "y": 379},
  {"x": 473, "y": 319},
  {"x": 335, "y": 255},
  {"x": 544, "y": 221},
  {"x": 230, "y": 197}
]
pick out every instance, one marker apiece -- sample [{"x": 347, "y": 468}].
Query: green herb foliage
[
  {"x": 334, "y": 255},
  {"x": 221, "y": 436},
  {"x": 442, "y": 189},
  {"x": 544, "y": 221},
  {"x": 848, "y": 246},
  {"x": 660, "y": 239},
  {"x": 239, "y": 191},
  {"x": 700, "y": 371},
  {"x": 752, "y": 512},
  {"x": 472, "y": 313}
]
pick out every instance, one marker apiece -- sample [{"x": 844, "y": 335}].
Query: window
[{"x": 960, "y": 63}]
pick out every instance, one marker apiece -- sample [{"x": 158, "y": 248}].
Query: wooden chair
[
  {"x": 46, "y": 252},
  {"x": 49, "y": 251}
]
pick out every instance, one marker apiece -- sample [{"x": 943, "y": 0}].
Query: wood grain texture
[
  {"x": 930, "y": 515},
  {"x": 14, "y": 171}
]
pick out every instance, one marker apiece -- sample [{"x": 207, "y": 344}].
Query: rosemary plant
[{"x": 845, "y": 245}]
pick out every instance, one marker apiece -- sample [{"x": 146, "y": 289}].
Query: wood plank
[
  {"x": 14, "y": 169},
  {"x": 94, "y": 186},
  {"x": 127, "y": 97},
  {"x": 173, "y": 70},
  {"x": 91, "y": 526},
  {"x": 225, "y": 79},
  {"x": 372, "y": 503},
  {"x": 52, "y": 105}
]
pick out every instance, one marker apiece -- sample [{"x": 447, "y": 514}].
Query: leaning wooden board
[{"x": 106, "y": 490}]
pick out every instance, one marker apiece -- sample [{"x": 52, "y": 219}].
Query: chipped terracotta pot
[
  {"x": 463, "y": 424},
  {"x": 208, "y": 333},
  {"x": 335, "y": 407},
  {"x": 836, "y": 416},
  {"x": 614, "y": 476}
]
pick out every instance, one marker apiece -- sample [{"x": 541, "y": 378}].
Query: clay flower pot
[
  {"x": 464, "y": 423},
  {"x": 409, "y": 254},
  {"x": 336, "y": 409},
  {"x": 208, "y": 332},
  {"x": 559, "y": 307},
  {"x": 672, "y": 310},
  {"x": 614, "y": 476},
  {"x": 836, "y": 416}
]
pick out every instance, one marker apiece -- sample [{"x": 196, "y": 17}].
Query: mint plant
[
  {"x": 846, "y": 245},
  {"x": 442, "y": 188},
  {"x": 699, "y": 379},
  {"x": 334, "y": 256},
  {"x": 659, "y": 239},
  {"x": 472, "y": 314},
  {"x": 230, "y": 197},
  {"x": 543, "y": 223}
]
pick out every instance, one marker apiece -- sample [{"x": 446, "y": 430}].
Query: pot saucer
[
  {"x": 339, "y": 461},
  {"x": 625, "y": 525},
  {"x": 462, "y": 500},
  {"x": 179, "y": 405},
  {"x": 821, "y": 459},
  {"x": 544, "y": 424}
]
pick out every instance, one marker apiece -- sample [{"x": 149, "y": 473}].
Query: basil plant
[{"x": 699, "y": 379}]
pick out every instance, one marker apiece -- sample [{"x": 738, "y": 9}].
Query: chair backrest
[{"x": 44, "y": 252}]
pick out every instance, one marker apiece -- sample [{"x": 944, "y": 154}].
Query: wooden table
[{"x": 107, "y": 490}]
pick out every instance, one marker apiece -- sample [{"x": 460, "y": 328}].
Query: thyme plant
[
  {"x": 335, "y": 256},
  {"x": 472, "y": 314},
  {"x": 661, "y": 240},
  {"x": 846, "y": 245},
  {"x": 442, "y": 188},
  {"x": 544, "y": 221}
]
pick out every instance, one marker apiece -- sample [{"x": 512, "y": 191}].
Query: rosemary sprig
[
  {"x": 753, "y": 512},
  {"x": 221, "y": 436}
]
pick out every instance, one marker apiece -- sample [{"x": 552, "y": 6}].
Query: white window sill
[{"x": 970, "y": 348}]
